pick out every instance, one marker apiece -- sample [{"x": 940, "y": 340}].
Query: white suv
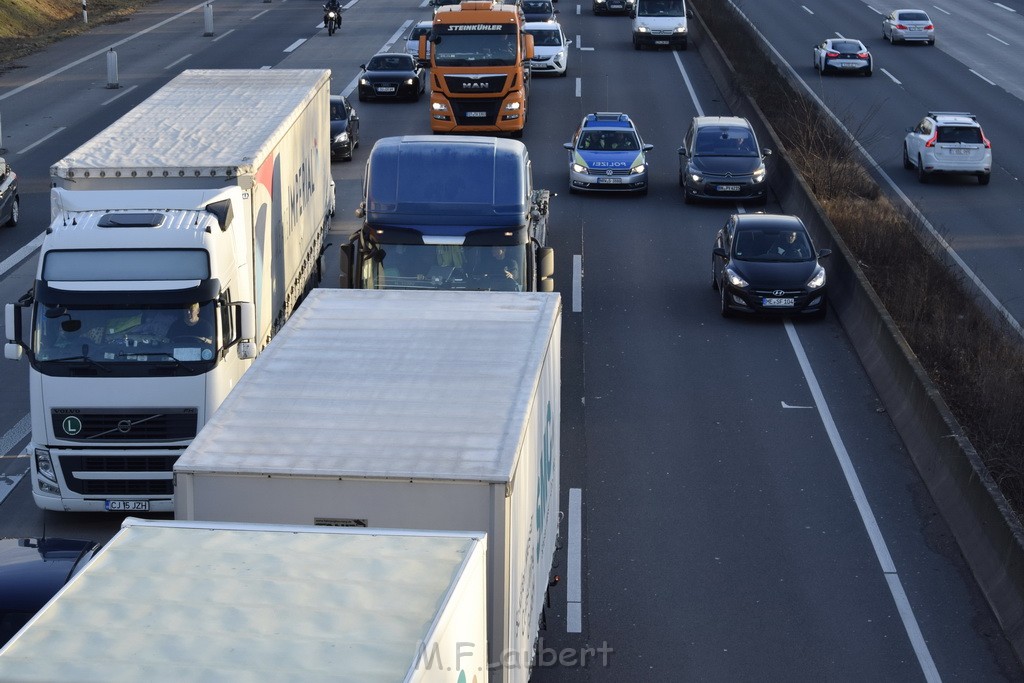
[{"x": 948, "y": 142}]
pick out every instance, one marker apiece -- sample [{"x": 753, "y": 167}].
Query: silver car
[
  {"x": 948, "y": 142},
  {"x": 908, "y": 25}
]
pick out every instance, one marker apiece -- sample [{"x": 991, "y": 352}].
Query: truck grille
[
  {"x": 175, "y": 424},
  {"x": 469, "y": 83},
  {"x": 482, "y": 112},
  {"x": 118, "y": 463}
]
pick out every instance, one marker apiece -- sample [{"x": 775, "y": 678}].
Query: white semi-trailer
[
  {"x": 181, "y": 238},
  {"x": 169, "y": 601},
  {"x": 403, "y": 409}
]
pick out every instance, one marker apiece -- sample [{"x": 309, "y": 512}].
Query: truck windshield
[
  {"x": 183, "y": 335},
  {"x": 416, "y": 266},
  {"x": 660, "y": 8},
  {"x": 476, "y": 49}
]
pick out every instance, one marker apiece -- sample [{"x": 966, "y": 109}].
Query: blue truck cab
[{"x": 450, "y": 213}]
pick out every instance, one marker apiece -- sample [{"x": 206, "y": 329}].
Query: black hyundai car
[
  {"x": 392, "y": 76},
  {"x": 344, "y": 128},
  {"x": 32, "y": 570},
  {"x": 766, "y": 263}
]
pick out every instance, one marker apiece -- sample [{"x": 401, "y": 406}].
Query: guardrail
[{"x": 985, "y": 527}]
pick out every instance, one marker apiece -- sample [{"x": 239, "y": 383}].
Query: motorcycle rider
[{"x": 333, "y": 6}]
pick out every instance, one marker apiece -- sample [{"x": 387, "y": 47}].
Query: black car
[
  {"x": 538, "y": 10},
  {"x": 616, "y": 6},
  {"x": 391, "y": 76},
  {"x": 344, "y": 128},
  {"x": 721, "y": 159},
  {"x": 766, "y": 263},
  {"x": 9, "y": 208},
  {"x": 32, "y": 570}
]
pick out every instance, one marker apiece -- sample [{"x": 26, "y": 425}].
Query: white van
[{"x": 660, "y": 23}]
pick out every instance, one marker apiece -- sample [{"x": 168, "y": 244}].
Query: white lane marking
[
  {"x": 875, "y": 10},
  {"x": 294, "y": 46},
  {"x": 579, "y": 87},
  {"x": 86, "y": 58},
  {"x": 574, "y": 565},
  {"x": 579, "y": 44},
  {"x": 577, "y": 283},
  {"x": 786, "y": 405},
  {"x": 1008, "y": 9},
  {"x": 177, "y": 61},
  {"x": 981, "y": 77},
  {"x": 578, "y": 10},
  {"x": 893, "y": 78},
  {"x": 998, "y": 40},
  {"x": 41, "y": 140},
  {"x": 20, "y": 255},
  {"x": 689, "y": 86},
  {"x": 910, "y": 625},
  {"x": 119, "y": 95},
  {"x": 259, "y": 14},
  {"x": 807, "y": 9},
  {"x": 223, "y": 35},
  {"x": 15, "y": 435},
  {"x": 942, "y": 10}
]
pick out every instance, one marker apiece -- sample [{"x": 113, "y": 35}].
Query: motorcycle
[{"x": 331, "y": 20}]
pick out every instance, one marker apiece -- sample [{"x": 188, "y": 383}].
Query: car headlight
[
  {"x": 817, "y": 280},
  {"x": 439, "y": 106},
  {"x": 363, "y": 81},
  {"x": 410, "y": 81},
  {"x": 559, "y": 56},
  {"x": 680, "y": 29},
  {"x": 512, "y": 106},
  {"x": 576, "y": 168},
  {"x": 695, "y": 177},
  {"x": 341, "y": 137},
  {"x": 758, "y": 175},
  {"x": 642, "y": 29},
  {"x": 639, "y": 168},
  {"x": 599, "y": 2},
  {"x": 734, "y": 279}
]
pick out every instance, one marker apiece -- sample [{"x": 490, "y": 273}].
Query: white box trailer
[
  {"x": 179, "y": 601},
  {"x": 403, "y": 409},
  {"x": 211, "y": 198}
]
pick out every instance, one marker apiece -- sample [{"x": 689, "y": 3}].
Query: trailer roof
[
  {"x": 387, "y": 384},
  {"x": 201, "y": 119},
  {"x": 174, "y": 601}
]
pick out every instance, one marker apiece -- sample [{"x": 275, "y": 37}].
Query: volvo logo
[
  {"x": 124, "y": 426},
  {"x": 778, "y": 292}
]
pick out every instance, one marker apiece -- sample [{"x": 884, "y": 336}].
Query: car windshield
[
  {"x": 953, "y": 134},
  {"x": 338, "y": 112},
  {"x": 725, "y": 141},
  {"x": 536, "y": 6},
  {"x": 389, "y": 63},
  {"x": 419, "y": 266},
  {"x": 485, "y": 48},
  {"x": 912, "y": 16},
  {"x": 847, "y": 46},
  {"x": 771, "y": 245},
  {"x": 660, "y": 8},
  {"x": 545, "y": 38},
  {"x": 608, "y": 141}
]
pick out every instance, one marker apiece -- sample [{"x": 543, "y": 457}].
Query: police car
[{"x": 607, "y": 153}]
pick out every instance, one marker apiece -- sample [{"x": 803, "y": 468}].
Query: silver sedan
[{"x": 908, "y": 25}]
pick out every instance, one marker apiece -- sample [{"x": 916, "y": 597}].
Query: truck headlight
[
  {"x": 439, "y": 106},
  {"x": 512, "y": 106},
  {"x": 44, "y": 465}
]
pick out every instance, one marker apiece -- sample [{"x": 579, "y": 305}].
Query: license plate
[
  {"x": 661, "y": 42},
  {"x": 385, "y": 88},
  {"x": 849, "y": 65},
  {"x": 476, "y": 114},
  {"x": 778, "y": 303},
  {"x": 609, "y": 180},
  {"x": 960, "y": 152},
  {"x": 127, "y": 505},
  {"x": 728, "y": 188}
]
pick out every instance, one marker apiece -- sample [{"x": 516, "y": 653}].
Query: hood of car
[
  {"x": 545, "y": 51},
  {"x": 32, "y": 570},
  {"x": 775, "y": 274},
  {"x": 739, "y": 166},
  {"x": 388, "y": 75},
  {"x": 609, "y": 160},
  {"x": 339, "y": 126}
]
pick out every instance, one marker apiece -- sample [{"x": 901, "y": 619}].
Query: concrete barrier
[{"x": 987, "y": 530}]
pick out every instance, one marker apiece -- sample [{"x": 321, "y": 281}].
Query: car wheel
[
  {"x": 931, "y": 42},
  {"x": 15, "y": 209},
  {"x": 682, "y": 183},
  {"x": 723, "y": 299},
  {"x": 922, "y": 175},
  {"x": 687, "y": 199},
  {"x": 906, "y": 159},
  {"x": 983, "y": 179}
]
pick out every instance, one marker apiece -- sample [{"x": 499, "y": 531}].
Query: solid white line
[
  {"x": 19, "y": 256},
  {"x": 120, "y": 95},
  {"x": 226, "y": 33},
  {"x": 41, "y": 140},
  {"x": 577, "y": 283},
  {"x": 942, "y": 10},
  {"x": 1008, "y": 9},
  {"x": 867, "y": 517},
  {"x": 574, "y": 565},
  {"x": 689, "y": 86},
  {"x": 893, "y": 78},
  {"x": 294, "y": 46},
  {"x": 259, "y": 14},
  {"x": 807, "y": 9},
  {"x": 177, "y": 61},
  {"x": 981, "y": 77},
  {"x": 875, "y": 10},
  {"x": 15, "y": 435},
  {"x": 86, "y": 58},
  {"x": 998, "y": 40}
]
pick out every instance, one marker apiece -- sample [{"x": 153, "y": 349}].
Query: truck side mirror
[
  {"x": 545, "y": 269},
  {"x": 346, "y": 266},
  {"x": 528, "y": 47},
  {"x": 13, "y": 349},
  {"x": 247, "y": 330}
]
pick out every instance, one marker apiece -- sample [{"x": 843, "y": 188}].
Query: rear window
[
  {"x": 846, "y": 46},
  {"x": 968, "y": 134},
  {"x": 912, "y": 16}
]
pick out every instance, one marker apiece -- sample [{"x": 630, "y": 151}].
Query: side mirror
[
  {"x": 247, "y": 347},
  {"x": 567, "y": 145},
  {"x": 568, "y": 43},
  {"x": 346, "y": 266},
  {"x": 648, "y": 147},
  {"x": 766, "y": 152},
  {"x": 719, "y": 252},
  {"x": 632, "y": 14},
  {"x": 13, "y": 349},
  {"x": 363, "y": 67},
  {"x": 681, "y": 151},
  {"x": 545, "y": 269},
  {"x": 823, "y": 253}
]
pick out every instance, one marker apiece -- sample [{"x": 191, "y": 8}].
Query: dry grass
[
  {"x": 976, "y": 363},
  {"x": 30, "y": 25}
]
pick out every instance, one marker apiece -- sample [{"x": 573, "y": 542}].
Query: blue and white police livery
[{"x": 607, "y": 153}]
